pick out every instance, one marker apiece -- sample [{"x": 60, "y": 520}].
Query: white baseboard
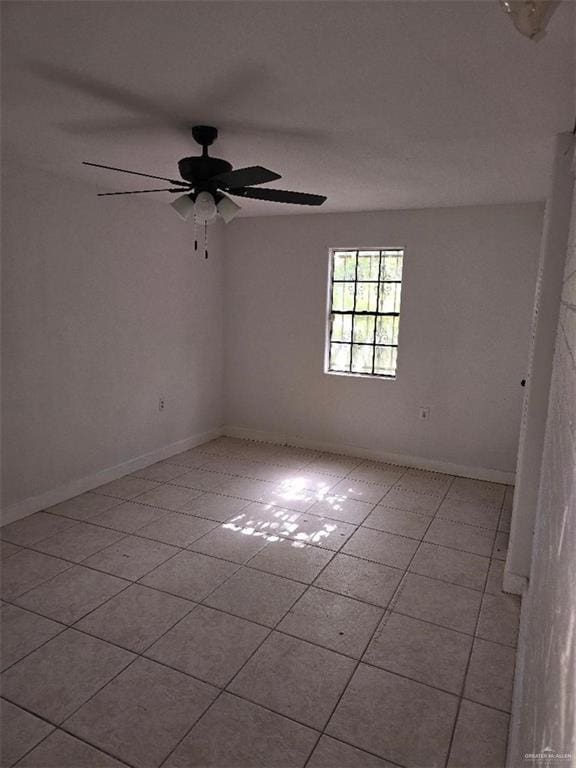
[
  {"x": 75, "y": 487},
  {"x": 446, "y": 467}
]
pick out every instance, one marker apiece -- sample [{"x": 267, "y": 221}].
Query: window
[{"x": 364, "y": 311}]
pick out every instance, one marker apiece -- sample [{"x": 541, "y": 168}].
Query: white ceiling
[{"x": 374, "y": 104}]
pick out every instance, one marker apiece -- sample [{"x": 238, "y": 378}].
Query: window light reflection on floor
[{"x": 277, "y": 524}]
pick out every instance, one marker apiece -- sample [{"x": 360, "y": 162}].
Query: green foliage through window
[{"x": 365, "y": 292}]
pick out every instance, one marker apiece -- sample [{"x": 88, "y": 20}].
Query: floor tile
[
  {"x": 445, "y": 604},
  {"x": 215, "y": 507},
  {"x": 129, "y": 516},
  {"x": 377, "y": 472},
  {"x": 20, "y": 732},
  {"x": 143, "y": 713},
  {"x": 189, "y": 459},
  {"x": 71, "y": 594},
  {"x": 495, "y": 577},
  {"x": 61, "y": 675},
  {"x": 32, "y": 529},
  {"x": 350, "y": 489},
  {"x": 240, "y": 734},
  {"x": 302, "y": 526},
  {"x": 467, "y": 538},
  {"x": 330, "y": 753},
  {"x": 79, "y": 542},
  {"x": 469, "y": 513},
  {"x": 60, "y": 750},
  {"x": 84, "y": 507},
  {"x": 398, "y": 521},
  {"x": 505, "y": 520},
  {"x": 126, "y": 487},
  {"x": 361, "y": 579},
  {"x": 411, "y": 501},
  {"x": 479, "y": 731},
  {"x": 334, "y": 463},
  {"x": 333, "y": 621},
  {"x": 131, "y": 557},
  {"x": 342, "y": 508},
  {"x": 7, "y": 549},
  {"x": 257, "y": 596},
  {"x": 477, "y": 490},
  {"x": 358, "y": 718},
  {"x": 424, "y": 652},
  {"x": 422, "y": 481},
  {"x": 209, "y": 644},
  {"x": 499, "y": 619},
  {"x": 306, "y": 485},
  {"x": 203, "y": 480},
  {"x": 500, "y": 549},
  {"x": 27, "y": 569},
  {"x": 170, "y": 497},
  {"x": 177, "y": 529},
  {"x": 490, "y": 678},
  {"x": 23, "y": 632},
  {"x": 161, "y": 472},
  {"x": 451, "y": 565},
  {"x": 381, "y": 547},
  {"x": 292, "y": 559},
  {"x": 266, "y": 493},
  {"x": 190, "y": 575},
  {"x": 135, "y": 618},
  {"x": 294, "y": 678},
  {"x": 230, "y": 542}
]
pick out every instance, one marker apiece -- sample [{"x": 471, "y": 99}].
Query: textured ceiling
[{"x": 375, "y": 104}]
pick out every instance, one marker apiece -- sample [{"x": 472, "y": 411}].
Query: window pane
[
  {"x": 339, "y": 357},
  {"x": 391, "y": 266},
  {"x": 343, "y": 296},
  {"x": 385, "y": 361},
  {"x": 361, "y": 359},
  {"x": 341, "y": 327},
  {"x": 344, "y": 265},
  {"x": 364, "y": 329},
  {"x": 368, "y": 265},
  {"x": 366, "y": 297},
  {"x": 389, "y": 297},
  {"x": 387, "y": 330}
]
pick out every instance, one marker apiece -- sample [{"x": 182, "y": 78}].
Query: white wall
[
  {"x": 544, "y": 711},
  {"x": 544, "y": 325},
  {"x": 105, "y": 309},
  {"x": 469, "y": 279}
]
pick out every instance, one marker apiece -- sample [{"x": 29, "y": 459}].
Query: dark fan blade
[
  {"x": 140, "y": 191},
  {"x": 137, "y": 173},
  {"x": 279, "y": 196},
  {"x": 245, "y": 177}
]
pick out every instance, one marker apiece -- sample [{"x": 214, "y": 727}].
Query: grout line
[
  {"x": 308, "y": 586},
  {"x": 467, "y": 668},
  {"x": 55, "y": 729}
]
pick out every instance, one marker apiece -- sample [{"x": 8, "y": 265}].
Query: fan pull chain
[
  {"x": 195, "y": 235},
  {"x": 205, "y": 239}
]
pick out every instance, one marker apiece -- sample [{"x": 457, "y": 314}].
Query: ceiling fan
[{"x": 206, "y": 179}]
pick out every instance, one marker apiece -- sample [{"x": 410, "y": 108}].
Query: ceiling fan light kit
[
  {"x": 530, "y": 17},
  {"x": 183, "y": 206},
  {"x": 206, "y": 178}
]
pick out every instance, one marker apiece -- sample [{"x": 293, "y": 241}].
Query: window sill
[{"x": 361, "y": 375}]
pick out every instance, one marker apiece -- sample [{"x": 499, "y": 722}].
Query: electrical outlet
[
  {"x": 424, "y": 413},
  {"x": 161, "y": 404}
]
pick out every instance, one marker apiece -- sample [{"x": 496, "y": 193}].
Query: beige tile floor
[{"x": 244, "y": 604}]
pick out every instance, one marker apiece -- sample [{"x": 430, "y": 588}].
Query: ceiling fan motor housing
[{"x": 199, "y": 169}]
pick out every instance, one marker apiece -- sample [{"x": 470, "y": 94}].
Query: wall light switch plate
[{"x": 424, "y": 413}]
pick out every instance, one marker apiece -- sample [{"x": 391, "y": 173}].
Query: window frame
[{"x": 328, "y": 327}]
